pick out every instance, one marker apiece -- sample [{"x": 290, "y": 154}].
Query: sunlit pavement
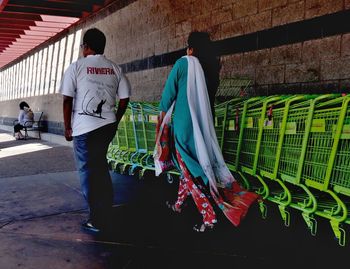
[{"x": 41, "y": 209}]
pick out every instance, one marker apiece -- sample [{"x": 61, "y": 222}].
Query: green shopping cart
[
  {"x": 254, "y": 115},
  {"x": 230, "y": 133},
  {"x": 322, "y": 146}
]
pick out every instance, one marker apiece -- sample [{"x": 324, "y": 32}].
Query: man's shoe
[{"x": 89, "y": 226}]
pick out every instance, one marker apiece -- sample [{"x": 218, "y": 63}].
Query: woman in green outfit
[{"x": 204, "y": 174}]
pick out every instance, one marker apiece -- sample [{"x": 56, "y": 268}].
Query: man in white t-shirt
[{"x": 90, "y": 87}]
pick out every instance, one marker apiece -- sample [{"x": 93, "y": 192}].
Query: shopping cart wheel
[
  {"x": 339, "y": 232},
  {"x": 110, "y": 164},
  {"x": 133, "y": 170},
  {"x": 311, "y": 223},
  {"x": 141, "y": 174},
  {"x": 170, "y": 178},
  {"x": 125, "y": 169},
  {"x": 263, "y": 209},
  {"x": 116, "y": 167},
  {"x": 285, "y": 215}
]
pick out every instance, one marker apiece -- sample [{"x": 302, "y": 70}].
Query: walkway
[{"x": 41, "y": 209}]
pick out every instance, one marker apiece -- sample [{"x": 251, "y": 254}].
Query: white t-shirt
[{"x": 94, "y": 82}]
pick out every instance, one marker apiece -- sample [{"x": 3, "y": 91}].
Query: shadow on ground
[{"x": 159, "y": 238}]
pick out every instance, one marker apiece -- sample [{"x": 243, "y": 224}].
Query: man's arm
[
  {"x": 67, "y": 116},
  {"x": 122, "y": 106}
]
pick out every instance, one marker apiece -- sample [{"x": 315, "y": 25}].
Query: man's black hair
[
  {"x": 95, "y": 40},
  {"x": 23, "y": 104}
]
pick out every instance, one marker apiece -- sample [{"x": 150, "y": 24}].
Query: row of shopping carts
[
  {"x": 131, "y": 151},
  {"x": 294, "y": 150}
]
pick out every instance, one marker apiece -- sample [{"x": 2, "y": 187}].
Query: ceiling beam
[
  {"x": 49, "y": 24},
  {"x": 3, "y": 3},
  {"x": 15, "y": 24},
  {"x": 33, "y": 37},
  {"x": 16, "y": 16},
  {"x": 11, "y": 31},
  {"x": 31, "y": 11},
  {"x": 45, "y": 29},
  {"x": 72, "y": 5},
  {"x": 7, "y": 36},
  {"x": 14, "y": 28},
  {"x": 26, "y": 41}
]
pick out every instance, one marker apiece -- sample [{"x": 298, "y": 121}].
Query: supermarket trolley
[
  {"x": 250, "y": 142},
  {"x": 340, "y": 176},
  {"x": 219, "y": 121},
  {"x": 150, "y": 116},
  {"x": 224, "y": 120},
  {"x": 230, "y": 133},
  {"x": 293, "y": 148},
  {"x": 119, "y": 151},
  {"x": 138, "y": 119},
  {"x": 322, "y": 146},
  {"x": 272, "y": 133}
]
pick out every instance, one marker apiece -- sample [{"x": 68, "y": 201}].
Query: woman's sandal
[
  {"x": 201, "y": 228},
  {"x": 172, "y": 207}
]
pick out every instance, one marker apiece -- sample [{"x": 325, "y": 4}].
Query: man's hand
[
  {"x": 67, "y": 115},
  {"x": 68, "y": 134},
  {"x": 122, "y": 106}
]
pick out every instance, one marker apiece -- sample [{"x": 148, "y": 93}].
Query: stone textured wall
[
  {"x": 321, "y": 60},
  {"x": 146, "y": 27}
]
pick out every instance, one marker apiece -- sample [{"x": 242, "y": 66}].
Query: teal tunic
[{"x": 176, "y": 90}]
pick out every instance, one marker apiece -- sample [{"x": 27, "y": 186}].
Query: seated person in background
[{"x": 25, "y": 118}]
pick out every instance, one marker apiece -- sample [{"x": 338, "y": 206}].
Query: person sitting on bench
[{"x": 25, "y": 118}]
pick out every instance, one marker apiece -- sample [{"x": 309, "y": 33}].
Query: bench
[{"x": 34, "y": 125}]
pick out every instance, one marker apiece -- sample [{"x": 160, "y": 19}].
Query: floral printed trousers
[{"x": 190, "y": 186}]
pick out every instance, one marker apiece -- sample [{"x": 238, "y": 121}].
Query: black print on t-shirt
[
  {"x": 99, "y": 107},
  {"x": 97, "y": 111}
]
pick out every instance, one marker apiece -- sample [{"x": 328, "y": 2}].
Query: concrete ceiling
[{"x": 25, "y": 24}]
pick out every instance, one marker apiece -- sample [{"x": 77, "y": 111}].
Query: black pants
[{"x": 18, "y": 127}]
